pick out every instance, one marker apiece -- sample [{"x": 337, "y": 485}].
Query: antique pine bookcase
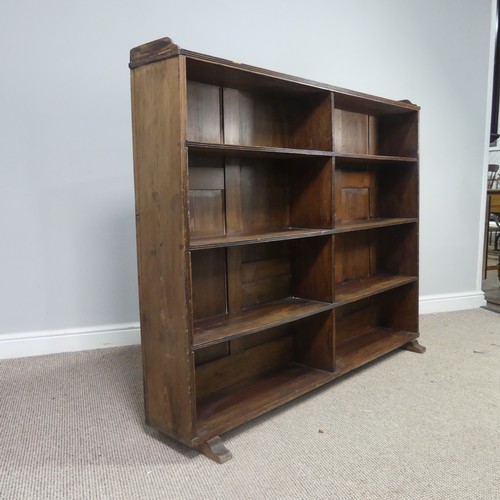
[{"x": 277, "y": 236}]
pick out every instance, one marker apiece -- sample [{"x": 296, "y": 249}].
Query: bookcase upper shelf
[{"x": 231, "y": 240}]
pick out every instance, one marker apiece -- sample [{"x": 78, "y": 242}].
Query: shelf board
[
  {"x": 226, "y": 409},
  {"x": 376, "y": 342},
  {"x": 360, "y": 225},
  {"x": 259, "y": 151},
  {"x": 231, "y": 407},
  {"x": 232, "y": 240},
  {"x": 230, "y": 326},
  {"x": 349, "y": 157},
  {"x": 366, "y": 287}
]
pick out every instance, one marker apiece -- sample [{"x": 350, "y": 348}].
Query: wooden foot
[
  {"x": 414, "y": 346},
  {"x": 215, "y": 450}
]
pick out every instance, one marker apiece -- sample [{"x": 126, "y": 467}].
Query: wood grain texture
[
  {"x": 315, "y": 341},
  {"x": 208, "y": 271},
  {"x": 219, "y": 329},
  {"x": 373, "y": 344},
  {"x": 204, "y": 122},
  {"x": 350, "y": 132},
  {"x": 342, "y": 158},
  {"x": 153, "y": 51},
  {"x": 228, "y": 409},
  {"x": 362, "y": 288},
  {"x": 232, "y": 370},
  {"x": 262, "y": 237},
  {"x": 234, "y": 150},
  {"x": 360, "y": 225},
  {"x": 160, "y": 165}
]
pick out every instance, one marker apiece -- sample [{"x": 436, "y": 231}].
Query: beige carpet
[{"x": 409, "y": 426}]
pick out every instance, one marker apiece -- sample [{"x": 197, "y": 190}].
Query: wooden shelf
[
  {"x": 214, "y": 330},
  {"x": 365, "y": 348},
  {"x": 247, "y": 239},
  {"x": 366, "y": 287},
  {"x": 360, "y": 225},
  {"x": 258, "y": 151},
  {"x": 231, "y": 407},
  {"x": 349, "y": 157}
]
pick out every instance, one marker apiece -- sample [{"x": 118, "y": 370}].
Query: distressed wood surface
[{"x": 160, "y": 165}]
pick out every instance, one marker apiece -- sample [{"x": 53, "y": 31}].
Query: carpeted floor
[{"x": 408, "y": 426}]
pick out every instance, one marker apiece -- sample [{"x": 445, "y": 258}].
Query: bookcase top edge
[{"x": 165, "y": 48}]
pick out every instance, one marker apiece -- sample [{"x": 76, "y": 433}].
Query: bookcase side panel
[{"x": 160, "y": 165}]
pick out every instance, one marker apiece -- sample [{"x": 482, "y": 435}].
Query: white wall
[{"x": 67, "y": 251}]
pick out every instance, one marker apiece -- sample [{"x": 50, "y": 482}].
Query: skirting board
[
  {"x": 22, "y": 344},
  {"x": 447, "y": 302}
]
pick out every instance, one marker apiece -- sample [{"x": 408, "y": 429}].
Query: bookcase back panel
[
  {"x": 243, "y": 365},
  {"x": 255, "y": 119},
  {"x": 354, "y": 194},
  {"x": 211, "y": 353},
  {"x": 258, "y": 274},
  {"x": 314, "y": 341},
  {"x": 397, "y": 191},
  {"x": 267, "y": 272},
  {"x": 203, "y": 113},
  {"x": 364, "y": 192},
  {"x": 312, "y": 276},
  {"x": 351, "y": 132},
  {"x": 390, "y": 250},
  {"x": 267, "y": 194},
  {"x": 206, "y": 196},
  {"x": 208, "y": 269},
  {"x": 260, "y": 119},
  {"x": 264, "y": 196},
  {"x": 395, "y": 250},
  {"x": 398, "y": 135},
  {"x": 391, "y": 134},
  {"x": 394, "y": 310},
  {"x": 311, "y": 193},
  {"x": 355, "y": 319}
]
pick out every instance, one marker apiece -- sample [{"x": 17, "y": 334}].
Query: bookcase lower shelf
[{"x": 231, "y": 407}]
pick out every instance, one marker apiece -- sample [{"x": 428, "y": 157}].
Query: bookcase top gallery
[{"x": 277, "y": 237}]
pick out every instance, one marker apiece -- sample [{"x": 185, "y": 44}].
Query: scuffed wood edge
[{"x": 156, "y": 50}]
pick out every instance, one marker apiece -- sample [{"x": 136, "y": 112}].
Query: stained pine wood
[
  {"x": 359, "y": 225},
  {"x": 234, "y": 150},
  {"x": 365, "y": 287},
  {"x": 342, "y": 158},
  {"x": 232, "y": 370},
  {"x": 263, "y": 237},
  {"x": 203, "y": 113},
  {"x": 208, "y": 275},
  {"x": 159, "y": 117},
  {"x": 221, "y": 328},
  {"x": 379, "y": 190},
  {"x": 373, "y": 344},
  {"x": 277, "y": 233},
  {"x": 227, "y": 409}
]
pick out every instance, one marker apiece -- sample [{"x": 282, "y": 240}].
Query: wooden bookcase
[{"x": 277, "y": 236}]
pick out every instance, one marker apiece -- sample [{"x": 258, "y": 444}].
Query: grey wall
[{"x": 67, "y": 249}]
